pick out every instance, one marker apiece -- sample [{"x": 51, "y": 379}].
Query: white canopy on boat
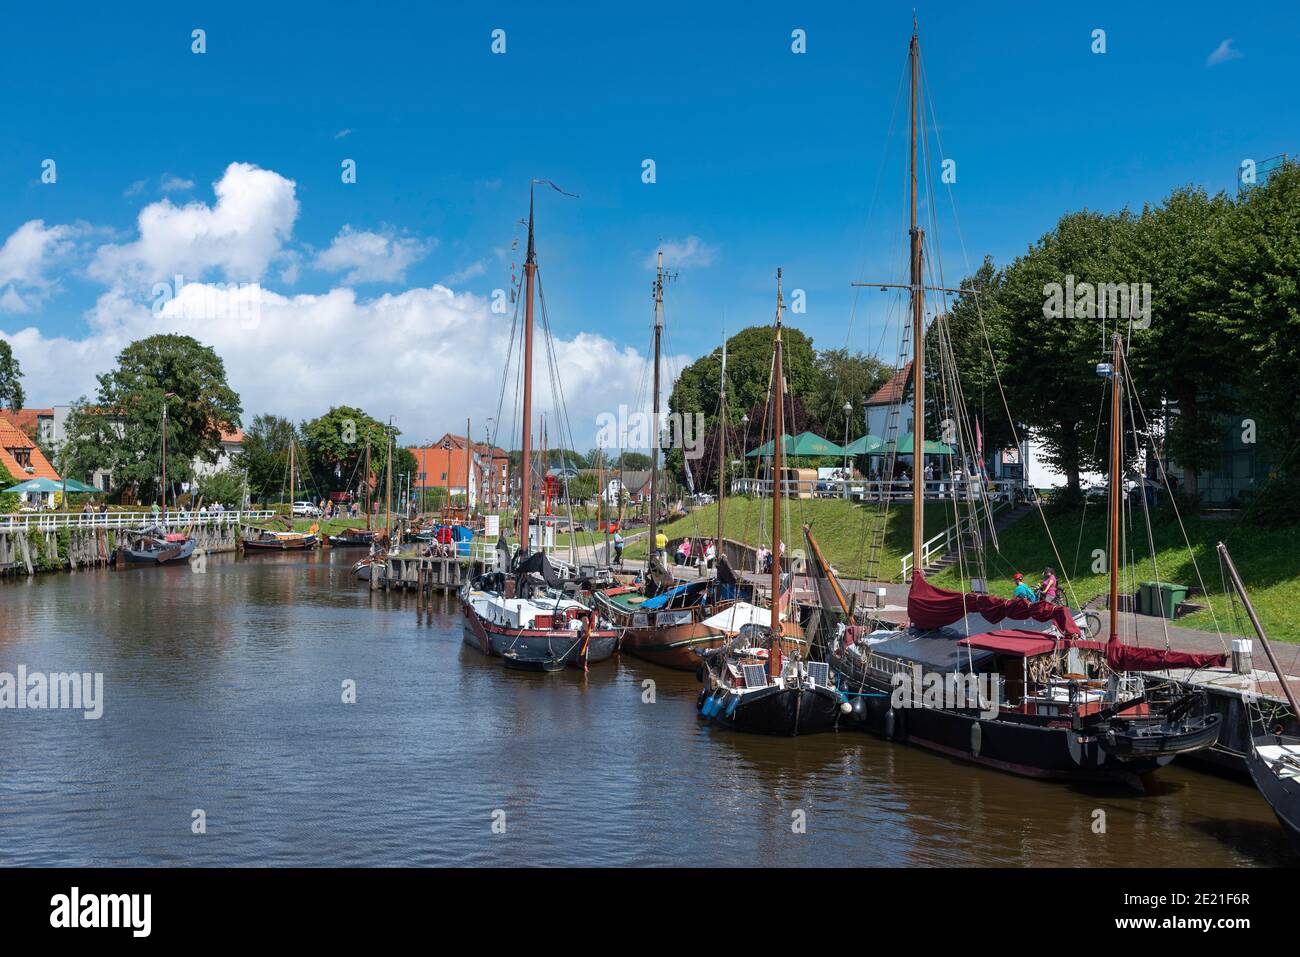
[{"x": 742, "y": 613}]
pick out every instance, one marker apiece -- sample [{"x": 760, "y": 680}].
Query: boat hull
[
  {"x": 1282, "y": 796},
  {"x": 176, "y": 554},
  {"x": 786, "y": 712},
  {"x": 493, "y": 639},
  {"x": 304, "y": 544},
  {"x": 1055, "y": 751},
  {"x": 676, "y": 646}
]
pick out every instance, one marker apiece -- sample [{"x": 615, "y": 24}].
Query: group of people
[
  {"x": 706, "y": 553},
  {"x": 1047, "y": 588},
  {"x": 763, "y": 559}
]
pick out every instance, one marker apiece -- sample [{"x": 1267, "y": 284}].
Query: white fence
[
  {"x": 866, "y": 490},
  {"x": 46, "y": 521}
]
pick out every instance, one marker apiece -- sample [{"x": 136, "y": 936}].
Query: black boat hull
[
  {"x": 775, "y": 711},
  {"x": 173, "y": 554},
  {"x": 1053, "y": 751},
  {"x": 1282, "y": 796}
]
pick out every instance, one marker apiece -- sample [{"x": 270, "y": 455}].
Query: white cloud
[
  {"x": 342, "y": 133},
  {"x": 1224, "y": 52},
  {"x": 239, "y": 235},
  {"x": 371, "y": 257},
  {"x": 472, "y": 271},
  {"x": 175, "y": 184},
  {"x": 29, "y": 252},
  {"x": 428, "y": 356},
  {"x": 688, "y": 253}
]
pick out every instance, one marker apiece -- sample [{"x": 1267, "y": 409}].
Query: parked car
[{"x": 305, "y": 510}]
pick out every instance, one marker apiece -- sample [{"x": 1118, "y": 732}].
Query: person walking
[{"x": 618, "y": 549}]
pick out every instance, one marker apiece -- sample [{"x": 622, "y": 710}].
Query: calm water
[{"x": 223, "y": 692}]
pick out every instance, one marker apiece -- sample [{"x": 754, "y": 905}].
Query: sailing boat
[
  {"x": 1036, "y": 699},
  {"x": 761, "y": 681},
  {"x": 358, "y": 537},
  {"x": 1274, "y": 758},
  {"x": 157, "y": 546},
  {"x": 275, "y": 540},
  {"x": 531, "y": 613},
  {"x": 671, "y": 622}
]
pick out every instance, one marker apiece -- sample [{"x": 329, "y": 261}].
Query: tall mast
[
  {"x": 469, "y": 457},
  {"x": 164, "y": 463},
  {"x": 388, "y": 488},
  {"x": 526, "y": 474},
  {"x": 293, "y": 469},
  {"x": 1282, "y": 678},
  {"x": 918, "y": 337},
  {"x": 368, "y": 477},
  {"x": 1115, "y": 455},
  {"x": 778, "y": 433},
  {"x": 722, "y": 440},
  {"x": 654, "y": 442}
]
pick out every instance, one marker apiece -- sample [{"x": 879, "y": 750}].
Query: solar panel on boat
[
  {"x": 755, "y": 676},
  {"x": 820, "y": 673}
]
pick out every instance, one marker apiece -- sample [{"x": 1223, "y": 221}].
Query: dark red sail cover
[
  {"x": 930, "y": 607},
  {"x": 1122, "y": 657}
]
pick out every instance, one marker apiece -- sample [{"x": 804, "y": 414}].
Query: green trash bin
[
  {"x": 1146, "y": 598},
  {"x": 1171, "y": 596}
]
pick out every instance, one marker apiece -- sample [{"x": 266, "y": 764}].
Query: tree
[
  {"x": 334, "y": 447},
  {"x": 1184, "y": 354},
  {"x": 226, "y": 487},
  {"x": 123, "y": 430},
  {"x": 11, "y": 375},
  {"x": 265, "y": 455},
  {"x": 850, "y": 377}
]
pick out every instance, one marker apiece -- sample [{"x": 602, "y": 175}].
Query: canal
[{"x": 224, "y": 694}]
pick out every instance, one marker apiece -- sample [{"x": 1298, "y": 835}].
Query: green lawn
[
  {"x": 1268, "y": 560},
  {"x": 843, "y": 530}
]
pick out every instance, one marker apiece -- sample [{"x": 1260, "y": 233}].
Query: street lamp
[{"x": 848, "y": 411}]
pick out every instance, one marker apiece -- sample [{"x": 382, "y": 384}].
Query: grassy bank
[
  {"x": 843, "y": 530},
  {"x": 1268, "y": 560}
]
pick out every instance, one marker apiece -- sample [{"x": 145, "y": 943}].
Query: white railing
[
  {"x": 47, "y": 521},
  {"x": 941, "y": 544}
]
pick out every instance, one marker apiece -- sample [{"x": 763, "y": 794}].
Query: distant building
[
  {"x": 232, "y": 443},
  {"x": 24, "y": 460},
  {"x": 636, "y": 483},
  {"x": 443, "y": 465}
]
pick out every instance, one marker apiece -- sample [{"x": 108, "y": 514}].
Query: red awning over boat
[
  {"x": 930, "y": 607},
  {"x": 1012, "y": 641}
]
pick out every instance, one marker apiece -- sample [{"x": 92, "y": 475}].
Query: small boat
[
  {"x": 353, "y": 538},
  {"x": 273, "y": 541},
  {"x": 524, "y": 662},
  {"x": 155, "y": 548}
]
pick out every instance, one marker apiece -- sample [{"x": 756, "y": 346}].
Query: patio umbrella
[
  {"x": 35, "y": 485},
  {"x": 74, "y": 486},
  {"x": 905, "y": 446},
  {"x": 866, "y": 445},
  {"x": 805, "y": 444}
]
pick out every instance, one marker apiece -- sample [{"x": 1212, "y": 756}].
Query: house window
[
  {"x": 444, "y": 476},
  {"x": 23, "y": 456}
]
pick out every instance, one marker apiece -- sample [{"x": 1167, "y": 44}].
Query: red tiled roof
[
  {"x": 236, "y": 437},
  {"x": 26, "y": 419},
  {"x": 13, "y": 438},
  {"x": 892, "y": 392}
]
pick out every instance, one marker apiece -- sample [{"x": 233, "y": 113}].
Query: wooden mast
[
  {"x": 722, "y": 445},
  {"x": 368, "y": 477},
  {"x": 526, "y": 474},
  {"x": 469, "y": 457},
  {"x": 654, "y": 439},
  {"x": 164, "y": 465},
  {"x": 1259, "y": 629},
  {"x": 918, "y": 338},
  {"x": 388, "y": 487},
  {"x": 293, "y": 469},
  {"x": 1115, "y": 470},
  {"x": 778, "y": 430}
]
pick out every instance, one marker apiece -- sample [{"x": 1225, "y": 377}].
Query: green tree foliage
[
  {"x": 335, "y": 448},
  {"x": 123, "y": 430},
  {"x": 844, "y": 376},
  {"x": 265, "y": 456},
  {"x": 226, "y": 487},
  {"x": 11, "y": 376}
]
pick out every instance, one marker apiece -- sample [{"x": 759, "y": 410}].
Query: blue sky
[{"x": 766, "y": 157}]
